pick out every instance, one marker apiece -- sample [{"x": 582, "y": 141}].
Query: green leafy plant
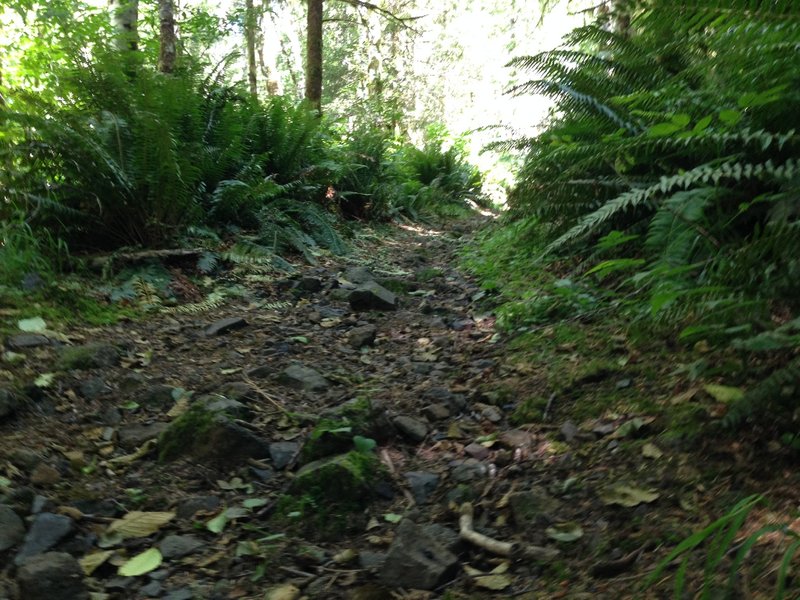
[{"x": 722, "y": 549}]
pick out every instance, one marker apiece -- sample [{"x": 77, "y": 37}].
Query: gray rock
[
  {"x": 422, "y": 484},
  {"x": 229, "y": 444},
  {"x": 444, "y": 535},
  {"x": 46, "y": 531},
  {"x": 568, "y": 431},
  {"x": 188, "y": 507},
  {"x": 417, "y": 560},
  {"x": 131, "y": 382},
  {"x": 156, "y": 395},
  {"x": 25, "y": 458},
  {"x": 456, "y": 402},
  {"x": 283, "y": 453},
  {"x": 176, "y": 546},
  {"x": 24, "y": 341},
  {"x": 468, "y": 469},
  {"x": 222, "y": 405},
  {"x": 12, "y": 529},
  {"x": 133, "y": 436},
  {"x": 260, "y": 372},
  {"x": 372, "y": 296},
  {"x": 304, "y": 377},
  {"x": 436, "y": 412},
  {"x": 89, "y": 356},
  {"x": 358, "y": 275},
  {"x": 9, "y": 402},
  {"x": 477, "y": 451},
  {"x": 362, "y": 336},
  {"x": 412, "y": 428},
  {"x": 183, "y": 593},
  {"x": 309, "y": 284},
  {"x": 531, "y": 507},
  {"x": 371, "y": 560},
  {"x": 52, "y": 576},
  {"x": 152, "y": 590},
  {"x": 94, "y": 388},
  {"x": 238, "y": 390},
  {"x": 225, "y": 326}
]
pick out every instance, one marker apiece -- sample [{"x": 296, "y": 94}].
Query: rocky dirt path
[{"x": 342, "y": 432}]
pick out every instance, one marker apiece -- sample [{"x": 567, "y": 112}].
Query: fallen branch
[{"x": 468, "y": 534}]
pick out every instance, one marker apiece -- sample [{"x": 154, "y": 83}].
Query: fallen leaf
[
  {"x": 285, "y": 591},
  {"x": 393, "y": 518},
  {"x": 255, "y": 502},
  {"x": 651, "y": 451},
  {"x": 565, "y": 532},
  {"x": 33, "y": 325},
  {"x": 217, "y": 524},
  {"x": 147, "y": 561},
  {"x": 724, "y": 393},
  {"x": 140, "y": 524},
  {"x": 345, "y": 556},
  {"x": 90, "y": 562},
  {"x": 142, "y": 451},
  {"x": 44, "y": 380},
  {"x": 493, "y": 582},
  {"x": 625, "y": 495}
]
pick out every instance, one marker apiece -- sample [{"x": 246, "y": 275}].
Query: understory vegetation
[{"x": 664, "y": 190}]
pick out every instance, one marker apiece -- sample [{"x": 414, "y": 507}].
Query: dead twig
[
  {"x": 264, "y": 394},
  {"x": 387, "y": 460}
]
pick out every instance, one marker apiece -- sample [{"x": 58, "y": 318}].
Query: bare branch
[{"x": 383, "y": 12}]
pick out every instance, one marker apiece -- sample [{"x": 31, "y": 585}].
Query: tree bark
[
  {"x": 250, "y": 38},
  {"x": 168, "y": 52},
  {"x": 125, "y": 17},
  {"x": 314, "y": 54}
]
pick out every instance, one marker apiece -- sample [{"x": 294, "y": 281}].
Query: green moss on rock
[
  {"x": 88, "y": 356},
  {"x": 185, "y": 432}
]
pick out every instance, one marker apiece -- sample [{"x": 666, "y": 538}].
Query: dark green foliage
[{"x": 669, "y": 172}]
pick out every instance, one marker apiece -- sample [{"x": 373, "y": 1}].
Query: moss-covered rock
[
  {"x": 327, "y": 496},
  {"x": 88, "y": 356},
  {"x": 208, "y": 434}
]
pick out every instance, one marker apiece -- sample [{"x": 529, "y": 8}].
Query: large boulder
[{"x": 372, "y": 296}]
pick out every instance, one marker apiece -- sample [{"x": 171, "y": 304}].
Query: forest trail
[{"x": 415, "y": 375}]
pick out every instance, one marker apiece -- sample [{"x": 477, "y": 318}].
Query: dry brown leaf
[{"x": 140, "y": 524}]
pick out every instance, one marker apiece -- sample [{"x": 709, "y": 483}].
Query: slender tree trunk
[
  {"x": 250, "y": 38},
  {"x": 125, "y": 17},
  {"x": 314, "y": 54},
  {"x": 168, "y": 52}
]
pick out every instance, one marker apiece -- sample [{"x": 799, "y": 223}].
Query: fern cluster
[{"x": 670, "y": 164}]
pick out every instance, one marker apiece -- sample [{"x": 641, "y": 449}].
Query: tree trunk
[
  {"x": 314, "y": 54},
  {"x": 250, "y": 38},
  {"x": 125, "y": 17},
  {"x": 169, "y": 42}
]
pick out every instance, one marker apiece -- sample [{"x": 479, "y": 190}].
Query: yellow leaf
[
  {"x": 147, "y": 561},
  {"x": 651, "y": 451},
  {"x": 283, "y": 592},
  {"x": 140, "y": 524},
  {"x": 493, "y": 582},
  {"x": 90, "y": 562}
]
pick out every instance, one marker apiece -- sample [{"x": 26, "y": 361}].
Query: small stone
[
  {"x": 222, "y": 405},
  {"x": 183, "y": 593},
  {"x": 358, "y": 275},
  {"x": 362, "y": 336},
  {"x": 623, "y": 383},
  {"x": 568, "y": 431},
  {"x": 477, "y": 451},
  {"x": 24, "y": 341},
  {"x": 368, "y": 559},
  {"x": 304, "y": 377},
  {"x": 44, "y": 475},
  {"x": 187, "y": 508},
  {"x": 436, "y": 412},
  {"x": 151, "y": 590},
  {"x": 88, "y": 356},
  {"x": 12, "y": 529},
  {"x": 469, "y": 469},
  {"x": 157, "y": 395},
  {"x": 417, "y": 560},
  {"x": 283, "y": 453},
  {"x": 492, "y": 414},
  {"x": 372, "y": 296},
  {"x": 529, "y": 508},
  {"x": 444, "y": 535},
  {"x": 515, "y": 438},
  {"x": 260, "y": 372},
  {"x": 9, "y": 402},
  {"x": 462, "y": 325},
  {"x": 237, "y": 390},
  {"x": 51, "y": 576},
  {"x": 225, "y": 326},
  {"x": 422, "y": 484},
  {"x": 309, "y": 284},
  {"x": 94, "y": 388},
  {"x": 177, "y": 546},
  {"x": 133, "y": 436},
  {"x": 412, "y": 428},
  {"x": 131, "y": 382},
  {"x": 46, "y": 531}
]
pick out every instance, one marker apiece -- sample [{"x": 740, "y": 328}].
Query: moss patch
[{"x": 185, "y": 432}]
